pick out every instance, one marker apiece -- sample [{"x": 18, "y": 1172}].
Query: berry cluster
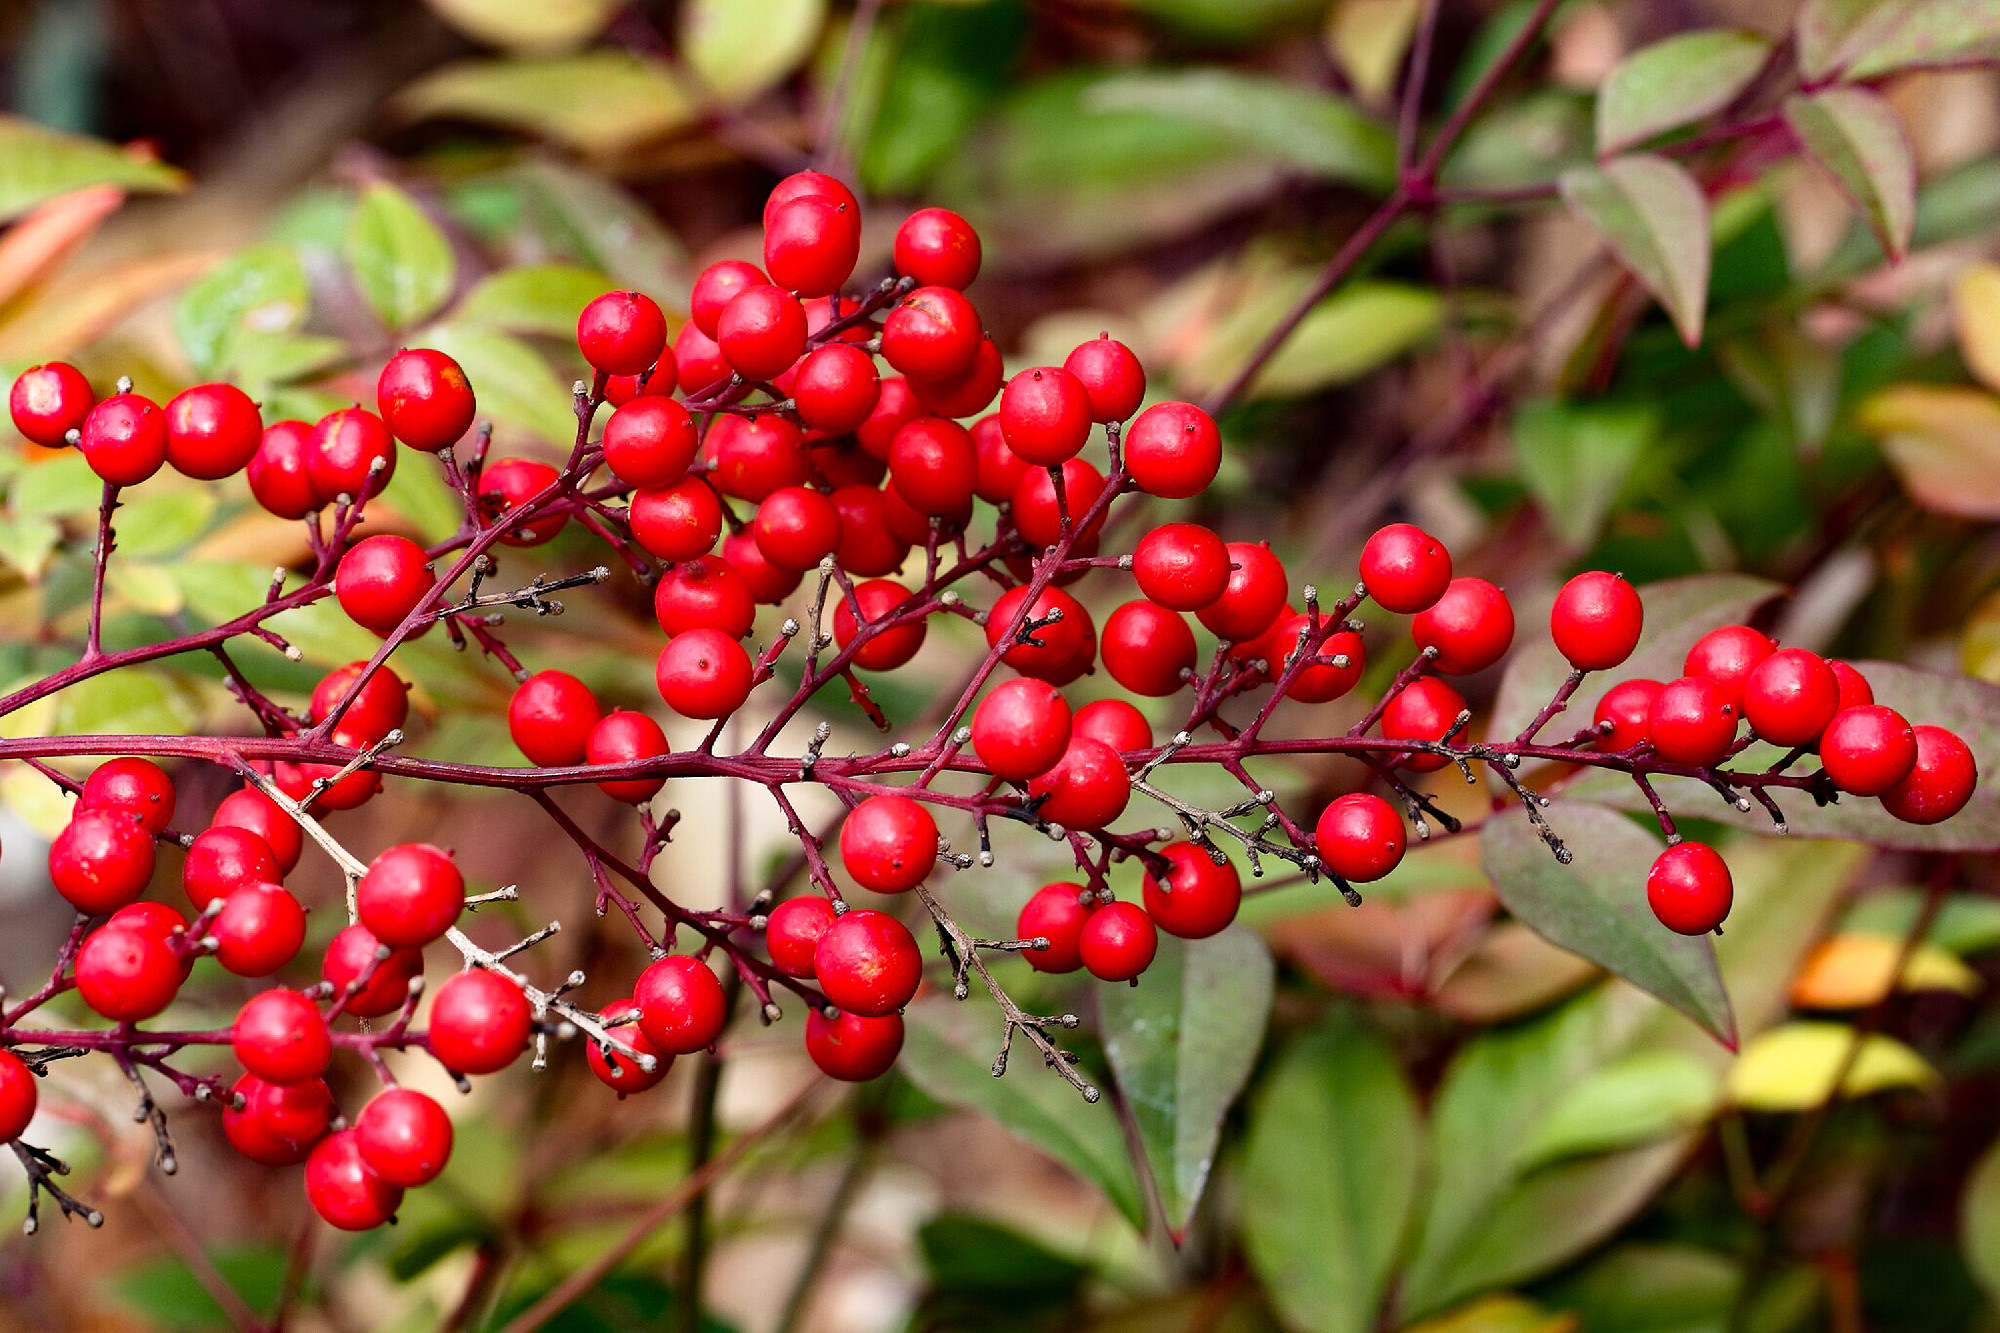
[{"x": 758, "y": 449}]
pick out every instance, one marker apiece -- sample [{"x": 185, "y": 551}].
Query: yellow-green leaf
[
  {"x": 738, "y": 50},
  {"x": 39, "y": 803},
  {"x": 1367, "y": 39},
  {"x": 26, "y": 543},
  {"x": 1793, "y": 1067},
  {"x": 143, "y": 587},
  {"x": 539, "y": 27},
  {"x": 1502, "y": 1312},
  {"x": 1944, "y": 442},
  {"x": 600, "y": 101},
  {"x": 1975, "y": 309},
  {"x": 1675, "y": 82},
  {"x": 1357, "y": 329},
  {"x": 1982, "y": 1221},
  {"x": 38, "y": 163},
  {"x": 542, "y": 299},
  {"x": 1632, "y": 1100},
  {"x": 1857, "y": 968},
  {"x": 401, "y": 261}
]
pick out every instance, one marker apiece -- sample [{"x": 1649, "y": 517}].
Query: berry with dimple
[
  {"x": 280, "y": 472},
  {"x": 1182, "y": 566},
  {"x": 836, "y": 387},
  {"x": 424, "y": 399},
  {"x": 932, "y": 464},
  {"x": 938, "y": 248},
  {"x": 762, "y": 332},
  {"x": 1055, "y": 913},
  {"x": 934, "y": 333},
  {"x": 853, "y": 1047},
  {"x": 281, "y": 1037},
  {"x": 888, "y": 648},
  {"x": 868, "y": 963},
  {"x": 405, "y": 1136},
  {"x": 1868, "y": 749},
  {"x": 479, "y": 1022},
  {"x": 410, "y": 895},
  {"x": 677, "y": 522},
  {"x": 212, "y": 431},
  {"x": 344, "y": 1190},
  {"x": 278, "y": 1123},
  {"x": 888, "y": 843},
  {"x": 1087, "y": 789},
  {"x": 621, "y": 333},
  {"x": 350, "y": 453},
  {"x": 1062, "y": 649},
  {"x": 381, "y": 580},
  {"x": 1939, "y": 784},
  {"x": 704, "y": 593},
  {"x": 1854, "y": 687},
  {"x": 1471, "y": 626},
  {"x": 792, "y": 933},
  {"x": 1596, "y": 620},
  {"x": 258, "y": 930},
  {"x": 1252, "y": 599},
  {"x": 128, "y": 973},
  {"x": 507, "y": 485},
  {"x": 1039, "y": 519},
  {"x": 1689, "y": 888},
  {"x": 18, "y": 1095},
  {"x": 1360, "y": 837},
  {"x": 1147, "y": 648},
  {"x": 1727, "y": 656},
  {"x": 1790, "y": 697},
  {"x": 1021, "y": 728},
  {"x": 1045, "y": 415},
  {"x": 617, "y": 1070},
  {"x": 1194, "y": 898},
  {"x": 1173, "y": 450},
  {"x": 223, "y": 859},
  {"x": 716, "y": 286},
  {"x": 969, "y": 392},
  {"x": 137, "y": 787},
  {"x": 253, "y": 811},
  {"x": 682, "y": 1007},
  {"x": 1320, "y": 680},
  {"x": 867, "y": 545},
  {"x": 1628, "y": 707},
  {"x": 1115, "y": 722},
  {"x": 551, "y": 716},
  {"x": 1404, "y": 568},
  {"x": 1692, "y": 721},
  {"x": 1118, "y": 942},
  {"x": 621, "y": 738},
  {"x": 348, "y": 958},
  {"x": 703, "y": 674},
  {"x": 380, "y": 706},
  {"x": 1425, "y": 710},
  {"x": 1111, "y": 375},
  {"x": 49, "y": 401},
  {"x": 811, "y": 243},
  {"x": 124, "y": 439},
  {"x": 650, "y": 441}
]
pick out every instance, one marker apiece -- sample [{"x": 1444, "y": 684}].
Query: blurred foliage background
[{"x": 1416, "y": 1115}]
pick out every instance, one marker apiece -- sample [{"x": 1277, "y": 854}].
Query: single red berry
[
  {"x": 938, "y": 248},
  {"x": 380, "y": 706},
  {"x": 1045, "y": 415},
  {"x": 344, "y": 1190},
  {"x": 411, "y": 894},
  {"x": 1182, "y": 566},
  {"x": 280, "y": 472},
  {"x": 1360, "y": 837},
  {"x": 888, "y": 648},
  {"x": 551, "y": 716},
  {"x": 1939, "y": 784},
  {"x": 811, "y": 243},
  {"x": 1628, "y": 707},
  {"x": 1058, "y": 651},
  {"x": 1854, "y": 688},
  {"x": 660, "y": 381},
  {"x": 650, "y": 442},
  {"x": 1111, "y": 375},
  {"x": 932, "y": 464},
  {"x": 1868, "y": 749},
  {"x": 223, "y": 859},
  {"x": 278, "y": 1123},
  {"x": 1471, "y": 626},
  {"x": 212, "y": 431},
  {"x": 49, "y": 401},
  {"x": 1195, "y": 897},
  {"x": 138, "y": 787},
  {"x": 1253, "y": 598},
  {"x": 793, "y": 932},
  {"x": 509, "y": 484},
  {"x": 1689, "y": 888},
  {"x": 969, "y": 392},
  {"x": 809, "y": 185},
  {"x": 1021, "y": 729},
  {"x": 703, "y": 674},
  {"x": 1404, "y": 568},
  {"x": 355, "y": 953},
  {"x": 621, "y": 333},
  {"x": 796, "y": 527},
  {"x": 1087, "y": 789},
  {"x": 896, "y": 406},
  {"x": 1727, "y": 656},
  {"x": 934, "y": 333},
  {"x": 716, "y": 286},
  {"x": 998, "y": 469},
  {"x": 1596, "y": 620},
  {"x": 698, "y": 362},
  {"x": 351, "y": 453},
  {"x": 617, "y": 1070},
  {"x": 342, "y": 793},
  {"x": 1692, "y": 721},
  {"x": 1426, "y": 710},
  {"x": 888, "y": 844},
  {"x": 124, "y": 439},
  {"x": 18, "y": 1096},
  {"x": 677, "y": 522},
  {"x": 868, "y": 963},
  {"x": 1055, "y": 913},
  {"x": 128, "y": 973},
  {"x": 755, "y": 456},
  {"x": 853, "y": 1047},
  {"x": 621, "y": 738},
  {"x": 1148, "y": 649},
  {"x": 1173, "y": 450},
  {"x": 425, "y": 399},
  {"x": 1320, "y": 680},
  {"x": 155, "y": 918},
  {"x": 704, "y": 593},
  {"x": 682, "y": 1007},
  {"x": 281, "y": 1037},
  {"x": 837, "y": 387},
  {"x": 867, "y": 546},
  {"x": 762, "y": 332},
  {"x": 910, "y": 525},
  {"x": 479, "y": 1022},
  {"x": 1115, "y": 722},
  {"x": 767, "y": 583},
  {"x": 254, "y": 812},
  {"x": 258, "y": 930},
  {"x": 381, "y": 580},
  {"x": 1118, "y": 942},
  {"x": 404, "y": 1136},
  {"x": 1039, "y": 519},
  {"x": 1790, "y": 697}
]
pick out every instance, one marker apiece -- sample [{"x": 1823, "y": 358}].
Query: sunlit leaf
[
  {"x": 158, "y": 520},
  {"x": 401, "y": 260},
  {"x": 739, "y": 50},
  {"x": 1628, "y": 1101},
  {"x": 132, "y": 702},
  {"x": 258, "y": 293},
  {"x": 1857, "y": 968},
  {"x": 76, "y": 308},
  {"x": 143, "y": 587},
  {"x": 1675, "y": 82},
  {"x": 542, "y": 299},
  {"x": 1975, "y": 309},
  {"x": 63, "y": 484},
  {"x": 1980, "y": 1212},
  {"x": 599, "y": 101},
  {"x": 1859, "y": 140},
  {"x": 42, "y": 241},
  {"x": 545, "y": 25},
  {"x": 1944, "y": 442},
  {"x": 1502, "y": 1312},
  {"x": 1793, "y": 1067},
  {"x": 38, "y": 163},
  {"x": 1929, "y": 32},
  {"x": 26, "y": 543},
  {"x": 1357, "y": 329},
  {"x": 1367, "y": 38},
  {"x": 1655, "y": 218}
]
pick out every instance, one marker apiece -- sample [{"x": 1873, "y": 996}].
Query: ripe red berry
[
  {"x": 509, "y": 484},
  {"x": 793, "y": 932},
  {"x": 1182, "y": 566},
  {"x": 650, "y": 442},
  {"x": 1596, "y": 620},
  {"x": 128, "y": 972},
  {"x": 1689, "y": 888},
  {"x": 1253, "y": 598},
  {"x": 1404, "y": 568},
  {"x": 212, "y": 431},
  {"x": 888, "y": 844},
  {"x": 349, "y": 957},
  {"x": 1939, "y": 784},
  {"x": 1115, "y": 722},
  {"x": 281, "y": 1037},
  {"x": 1062, "y": 649},
  {"x": 621, "y": 333},
  {"x": 837, "y": 387},
  {"x": 381, "y": 705},
  {"x": 998, "y": 469},
  {"x": 551, "y": 716},
  {"x": 895, "y": 407},
  {"x": 124, "y": 439},
  {"x": 853, "y": 1047},
  {"x": 621, "y": 738},
  {"x": 479, "y": 1022},
  {"x": 969, "y": 392},
  {"x": 767, "y": 583},
  {"x": 1691, "y": 721},
  {"x": 411, "y": 894},
  {"x": 154, "y": 918},
  {"x": 1118, "y": 942},
  {"x": 348, "y": 793},
  {"x": 18, "y": 1096},
  {"x": 137, "y": 787},
  {"x": 703, "y": 674},
  {"x": 699, "y": 366},
  {"x": 350, "y": 453},
  {"x": 796, "y": 527},
  {"x": 1854, "y": 688},
  {"x": 1868, "y": 749},
  {"x": 1628, "y": 707},
  {"x": 344, "y": 1190},
  {"x": 1045, "y": 415},
  {"x": 1087, "y": 789},
  {"x": 1471, "y": 626},
  {"x": 811, "y": 243},
  {"x": 1039, "y": 519},
  {"x": 253, "y": 811},
  {"x": 934, "y": 333},
  {"x": 677, "y": 522},
  {"x": 753, "y": 456},
  {"x": 258, "y": 930},
  {"x": 381, "y": 580},
  {"x": 221, "y": 860},
  {"x": 1426, "y": 710},
  {"x": 809, "y": 185},
  {"x": 682, "y": 1007},
  {"x": 617, "y": 1070},
  {"x": 1021, "y": 728},
  {"x": 716, "y": 286},
  {"x": 868, "y": 963},
  {"x": 915, "y": 528},
  {"x": 1790, "y": 697},
  {"x": 1173, "y": 450},
  {"x": 425, "y": 399},
  {"x": 660, "y": 381},
  {"x": 1360, "y": 837},
  {"x": 49, "y": 401},
  {"x": 1195, "y": 897},
  {"x": 278, "y": 1123},
  {"x": 1055, "y": 913},
  {"x": 404, "y": 1136},
  {"x": 1727, "y": 656},
  {"x": 867, "y": 545},
  {"x": 938, "y": 248},
  {"x": 761, "y": 332},
  {"x": 280, "y": 472},
  {"x": 1148, "y": 648},
  {"x": 932, "y": 464},
  {"x": 1111, "y": 375},
  {"x": 886, "y": 649},
  {"x": 704, "y": 593}
]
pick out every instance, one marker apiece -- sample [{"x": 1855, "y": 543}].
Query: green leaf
[
  {"x": 1181, "y": 1045},
  {"x": 1526, "y": 142},
  {"x": 739, "y": 50},
  {"x": 163, "y": 519},
  {"x": 1981, "y": 1221},
  {"x": 1966, "y": 924},
  {"x": 1655, "y": 219},
  {"x": 1863, "y": 39},
  {"x": 932, "y": 74},
  {"x": 945, "y": 1052},
  {"x": 1855, "y": 135},
  {"x": 516, "y": 387},
  {"x": 38, "y": 163},
  {"x": 593, "y": 221},
  {"x": 1651, "y": 1288},
  {"x": 263, "y": 364},
  {"x": 26, "y": 543},
  {"x": 418, "y": 492},
  {"x": 545, "y": 25},
  {"x": 143, "y": 587},
  {"x": 1356, "y": 330},
  {"x": 1596, "y": 905},
  {"x": 536, "y": 299},
  {"x": 598, "y": 101},
  {"x": 969, "y": 1256},
  {"x": 260, "y": 292},
  {"x": 1576, "y": 457},
  {"x": 1330, "y": 1177},
  {"x": 167, "y": 1295},
  {"x": 132, "y": 702},
  {"x": 1230, "y": 20},
  {"x": 401, "y": 261},
  {"x": 1674, "y": 83},
  {"x": 1793, "y": 1067},
  {"x": 60, "y": 485},
  {"x": 1636, "y": 1099}
]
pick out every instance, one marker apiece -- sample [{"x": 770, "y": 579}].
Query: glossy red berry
[
  {"x": 660, "y": 381},
  {"x": 703, "y": 674},
  {"x": 551, "y": 716},
  {"x": 1790, "y": 697},
  {"x": 510, "y": 484},
  {"x": 258, "y": 930},
  {"x": 761, "y": 332},
  {"x": 349, "y": 957},
  {"x": 1692, "y": 721},
  {"x": 1148, "y": 649},
  {"x": 254, "y": 812},
  {"x": 682, "y": 1007},
  {"x": 938, "y": 248},
  {"x": 853, "y": 1047},
  {"x": 796, "y": 527},
  {"x": 1360, "y": 837},
  {"x": 998, "y": 469},
  {"x": 1727, "y": 656},
  {"x": 837, "y": 387},
  {"x": 1404, "y": 568},
  {"x": 1058, "y": 651},
  {"x": 278, "y": 1123},
  {"x": 380, "y": 706},
  {"x": 1021, "y": 728},
  {"x": 1173, "y": 450},
  {"x": 793, "y": 932},
  {"x": 868, "y": 963},
  {"x": 617, "y": 1070},
  {"x": 1425, "y": 710},
  {"x": 411, "y": 894},
  {"x": 425, "y": 399},
  {"x": 754, "y": 456},
  {"x": 1087, "y": 789},
  {"x": 932, "y": 465},
  {"x": 768, "y": 584},
  {"x": 221, "y": 860},
  {"x": 342, "y": 793},
  {"x": 280, "y": 472},
  {"x": 479, "y": 1022},
  {"x": 887, "y": 648},
  {"x": 1195, "y": 897},
  {"x": 888, "y": 844},
  {"x": 677, "y": 522},
  {"x": 1690, "y": 888},
  {"x": 808, "y": 185},
  {"x": 1471, "y": 626},
  {"x": 1868, "y": 749},
  {"x": 404, "y": 1136},
  {"x": 1253, "y": 598},
  {"x": 1854, "y": 687},
  {"x": 1111, "y": 375},
  {"x": 1325, "y": 678},
  {"x": 350, "y": 453},
  {"x": 698, "y": 362},
  {"x": 621, "y": 738},
  {"x": 102, "y": 860},
  {"x": 621, "y": 333},
  {"x": 1596, "y": 620},
  {"x": 1037, "y": 516},
  {"x": 895, "y": 407},
  {"x": 969, "y": 392},
  {"x": 650, "y": 442},
  {"x": 1939, "y": 784},
  {"x": 704, "y": 593},
  {"x": 1118, "y": 942},
  {"x": 811, "y": 243},
  {"x": 1182, "y": 566},
  {"x": 344, "y": 1190},
  {"x": 155, "y": 918},
  {"x": 868, "y": 547},
  {"x": 128, "y": 973},
  {"x": 381, "y": 580},
  {"x": 934, "y": 333},
  {"x": 49, "y": 401},
  {"x": 1055, "y": 913},
  {"x": 124, "y": 439},
  {"x": 1628, "y": 707},
  {"x": 1115, "y": 722},
  {"x": 281, "y": 1037},
  {"x": 716, "y": 286},
  {"x": 137, "y": 787},
  {"x": 1045, "y": 415},
  {"x": 18, "y": 1095},
  {"x": 212, "y": 431}
]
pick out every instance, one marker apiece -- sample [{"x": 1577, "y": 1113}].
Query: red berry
[
  {"x": 1118, "y": 942},
  {"x": 479, "y": 1022},
  {"x": 1426, "y": 710},
  {"x": 411, "y": 894},
  {"x": 677, "y": 522},
  {"x": 837, "y": 387},
  {"x": 1021, "y": 729},
  {"x": 867, "y": 546},
  {"x": 716, "y": 286},
  {"x": 1596, "y": 621},
  {"x": 888, "y": 844},
  {"x": 1087, "y": 789},
  {"x": 1868, "y": 749},
  {"x": 404, "y": 1136},
  {"x": 1689, "y": 888},
  {"x": 1147, "y": 648},
  {"x": 510, "y": 484},
  {"x": 621, "y": 738},
  {"x": 1182, "y": 566},
  {"x": 809, "y": 185},
  {"x": 1055, "y": 913},
  {"x": 755, "y": 456},
  {"x": 1173, "y": 450},
  {"x": 698, "y": 362},
  {"x": 938, "y": 248},
  {"x": 425, "y": 399},
  {"x": 381, "y": 705},
  {"x": 762, "y": 332},
  {"x": 1628, "y": 707},
  {"x": 1940, "y": 783},
  {"x": 704, "y": 593},
  {"x": 212, "y": 431},
  {"x": 280, "y": 472},
  {"x": 1319, "y": 681},
  {"x": 344, "y": 1190},
  {"x": 381, "y": 580},
  {"x": 349, "y": 957},
  {"x": 969, "y": 392},
  {"x": 1471, "y": 626},
  {"x": 18, "y": 1095},
  {"x": 1727, "y": 656},
  {"x": 621, "y": 333},
  {"x": 252, "y": 810},
  {"x": 1045, "y": 415},
  {"x": 933, "y": 334},
  {"x": 1195, "y": 898},
  {"x": 853, "y": 1047},
  {"x": 868, "y": 963},
  {"x": 767, "y": 583},
  {"x": 1115, "y": 722},
  {"x": 354, "y": 790},
  {"x": 350, "y": 453},
  {"x": 1691, "y": 721},
  {"x": 998, "y": 469},
  {"x": 811, "y": 243},
  {"x": 281, "y": 1037},
  {"x": 1061, "y": 650},
  {"x": 682, "y": 1007},
  {"x": 796, "y": 527},
  {"x": 124, "y": 439},
  {"x": 137, "y": 787},
  {"x": 913, "y": 527},
  {"x": 1790, "y": 697},
  {"x": 278, "y": 1123},
  {"x": 660, "y": 381},
  {"x": 886, "y": 649},
  {"x": 1253, "y": 598},
  {"x": 1360, "y": 837},
  {"x": 1111, "y": 375},
  {"x": 1404, "y": 568},
  {"x": 793, "y": 932},
  {"x": 221, "y": 860},
  {"x": 258, "y": 930},
  {"x": 154, "y": 918},
  {"x": 128, "y": 973},
  {"x": 703, "y": 674},
  {"x": 49, "y": 401},
  {"x": 551, "y": 717},
  {"x": 617, "y": 1070},
  {"x": 1036, "y": 515},
  {"x": 650, "y": 442},
  {"x": 932, "y": 464},
  {"x": 1854, "y": 688},
  {"x": 895, "y": 407}
]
